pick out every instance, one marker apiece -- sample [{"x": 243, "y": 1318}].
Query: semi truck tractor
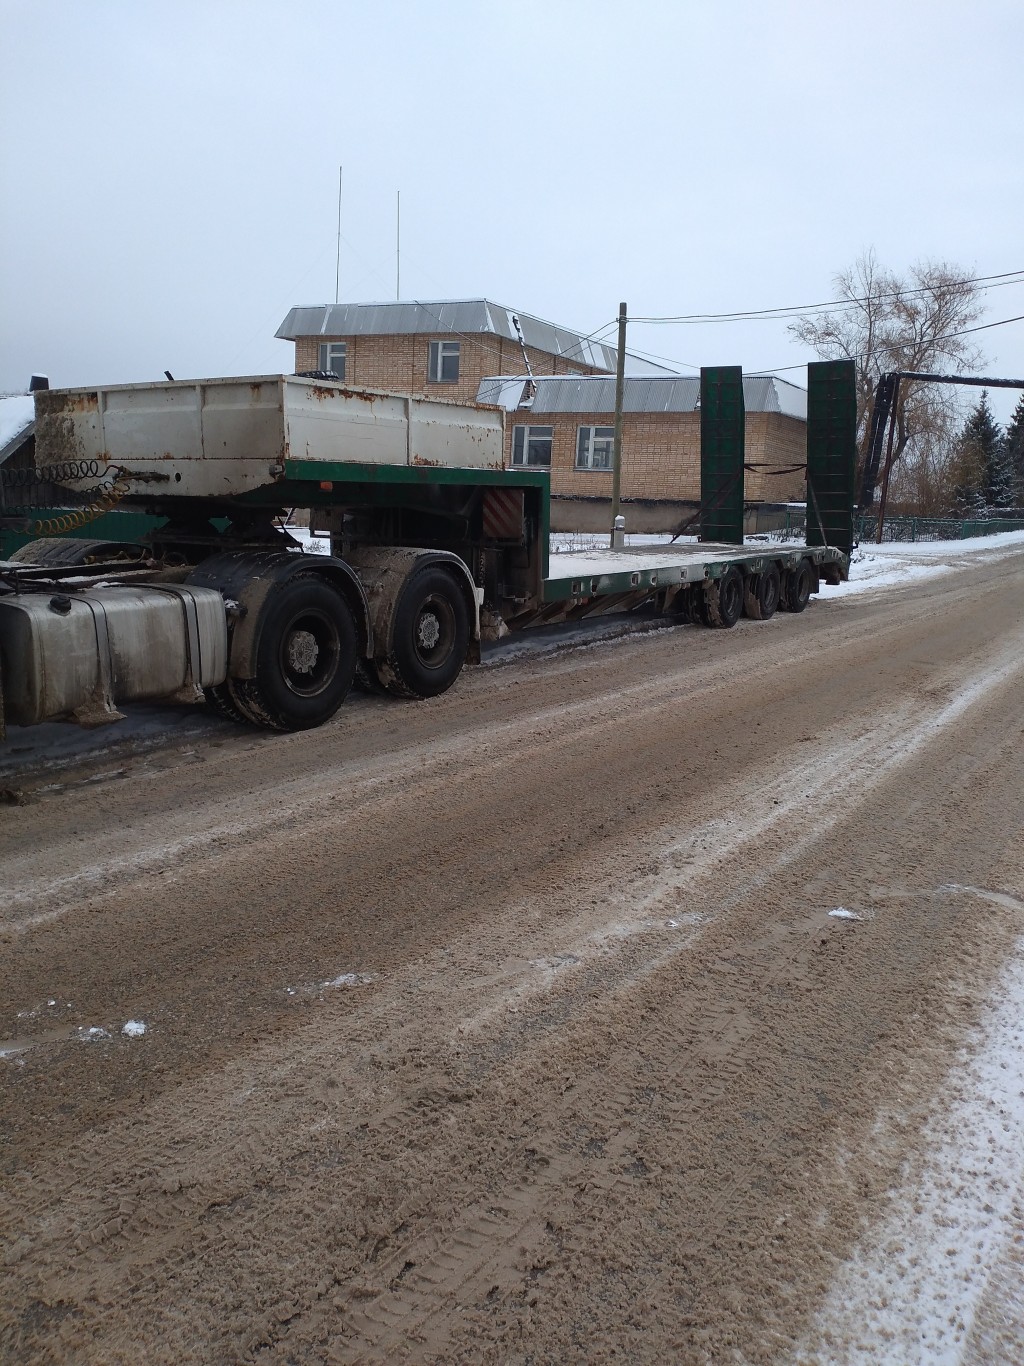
[{"x": 436, "y": 545}]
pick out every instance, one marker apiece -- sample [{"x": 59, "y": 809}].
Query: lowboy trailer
[{"x": 436, "y": 545}]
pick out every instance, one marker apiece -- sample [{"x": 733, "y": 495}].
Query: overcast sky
[{"x": 170, "y": 170}]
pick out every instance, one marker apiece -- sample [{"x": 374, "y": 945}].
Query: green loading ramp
[
  {"x": 831, "y": 452},
  {"x": 721, "y": 454}
]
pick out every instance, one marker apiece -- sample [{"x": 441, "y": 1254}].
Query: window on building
[
  {"x": 443, "y": 366},
  {"x": 594, "y": 447},
  {"x": 532, "y": 445},
  {"x": 332, "y": 358}
]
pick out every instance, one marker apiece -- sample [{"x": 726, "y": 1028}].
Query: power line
[
  {"x": 1010, "y": 277},
  {"x": 896, "y": 346}
]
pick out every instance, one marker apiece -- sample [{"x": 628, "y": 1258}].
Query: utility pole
[
  {"x": 398, "y": 244},
  {"x": 620, "y": 384}
]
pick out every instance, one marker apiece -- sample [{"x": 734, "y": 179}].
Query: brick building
[
  {"x": 473, "y": 351},
  {"x": 440, "y": 349},
  {"x": 567, "y": 427}
]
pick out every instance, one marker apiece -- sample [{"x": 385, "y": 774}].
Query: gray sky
[{"x": 170, "y": 170}]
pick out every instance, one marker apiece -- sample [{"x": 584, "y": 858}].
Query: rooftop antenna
[
  {"x": 398, "y": 245},
  {"x": 337, "y": 261}
]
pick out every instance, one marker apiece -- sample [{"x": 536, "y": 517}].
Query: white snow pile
[
  {"x": 841, "y": 913},
  {"x": 133, "y": 1029},
  {"x": 15, "y": 415},
  {"x": 93, "y": 1033}
]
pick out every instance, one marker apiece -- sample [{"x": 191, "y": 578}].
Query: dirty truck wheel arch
[
  {"x": 245, "y": 578},
  {"x": 305, "y": 655},
  {"x": 251, "y": 582},
  {"x": 425, "y": 617}
]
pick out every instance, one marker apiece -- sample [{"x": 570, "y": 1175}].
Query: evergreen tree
[
  {"x": 1014, "y": 453},
  {"x": 983, "y": 473}
]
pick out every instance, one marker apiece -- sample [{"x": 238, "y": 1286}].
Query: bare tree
[{"x": 886, "y": 322}]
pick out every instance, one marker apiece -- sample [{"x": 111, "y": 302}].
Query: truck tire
[
  {"x": 430, "y": 636},
  {"x": 685, "y": 606},
  {"x": 305, "y": 656},
  {"x": 74, "y": 550},
  {"x": 797, "y": 587},
  {"x": 722, "y": 604},
  {"x": 219, "y": 699},
  {"x": 761, "y": 595}
]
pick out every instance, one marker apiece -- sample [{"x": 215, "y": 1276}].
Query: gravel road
[{"x": 514, "y": 1026}]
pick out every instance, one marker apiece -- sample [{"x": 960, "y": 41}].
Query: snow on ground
[
  {"x": 15, "y": 415},
  {"x": 940, "y": 1281},
  {"x": 902, "y": 562}
]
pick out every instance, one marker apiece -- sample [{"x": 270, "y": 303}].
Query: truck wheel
[
  {"x": 761, "y": 598},
  {"x": 430, "y": 637},
  {"x": 685, "y": 605},
  {"x": 797, "y": 587},
  {"x": 305, "y": 656},
  {"x": 723, "y": 599},
  {"x": 219, "y": 699},
  {"x": 74, "y": 550}
]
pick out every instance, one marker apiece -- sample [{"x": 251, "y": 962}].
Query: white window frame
[
  {"x": 587, "y": 443},
  {"x": 522, "y": 441},
  {"x": 329, "y": 354},
  {"x": 438, "y": 354}
]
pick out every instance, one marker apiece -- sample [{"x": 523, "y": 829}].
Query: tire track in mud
[
  {"x": 477, "y": 752},
  {"x": 412, "y": 1290}
]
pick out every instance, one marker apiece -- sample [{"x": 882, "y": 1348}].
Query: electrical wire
[
  {"x": 781, "y": 313},
  {"x": 863, "y": 355}
]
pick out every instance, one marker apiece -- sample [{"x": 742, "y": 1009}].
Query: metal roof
[
  {"x": 641, "y": 394},
  {"x": 454, "y": 317}
]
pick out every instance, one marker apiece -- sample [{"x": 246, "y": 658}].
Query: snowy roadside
[
  {"x": 940, "y": 1279},
  {"x": 890, "y": 565}
]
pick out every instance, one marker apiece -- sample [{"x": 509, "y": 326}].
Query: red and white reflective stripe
[{"x": 503, "y": 514}]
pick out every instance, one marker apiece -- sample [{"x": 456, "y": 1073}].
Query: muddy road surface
[{"x": 601, "y": 1009}]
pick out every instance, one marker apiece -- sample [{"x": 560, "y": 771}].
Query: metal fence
[
  {"x": 934, "y": 528},
  {"x": 792, "y": 525}
]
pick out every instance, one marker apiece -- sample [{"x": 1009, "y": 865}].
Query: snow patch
[
  {"x": 841, "y": 913},
  {"x": 16, "y": 414},
  {"x": 93, "y": 1033},
  {"x": 349, "y": 979},
  {"x": 133, "y": 1029},
  {"x": 343, "y": 979}
]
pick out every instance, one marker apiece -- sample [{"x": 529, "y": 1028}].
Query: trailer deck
[{"x": 597, "y": 573}]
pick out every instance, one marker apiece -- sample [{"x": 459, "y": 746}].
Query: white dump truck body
[{"x": 218, "y": 438}]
